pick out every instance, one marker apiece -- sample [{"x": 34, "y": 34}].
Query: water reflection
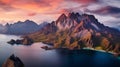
[
  {"x": 86, "y": 58},
  {"x": 35, "y": 56}
]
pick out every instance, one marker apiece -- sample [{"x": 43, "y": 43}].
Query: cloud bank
[{"x": 48, "y": 10}]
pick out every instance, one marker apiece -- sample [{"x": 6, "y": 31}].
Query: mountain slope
[{"x": 77, "y": 31}]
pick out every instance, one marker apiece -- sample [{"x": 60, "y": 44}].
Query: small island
[
  {"x": 24, "y": 41},
  {"x": 13, "y": 61}
]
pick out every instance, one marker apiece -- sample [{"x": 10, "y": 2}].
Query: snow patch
[{"x": 94, "y": 25}]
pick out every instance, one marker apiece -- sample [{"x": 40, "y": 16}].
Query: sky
[{"x": 106, "y": 11}]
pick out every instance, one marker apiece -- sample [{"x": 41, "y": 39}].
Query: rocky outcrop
[
  {"x": 12, "y": 42},
  {"x": 27, "y": 41},
  {"x": 13, "y": 61},
  {"x": 24, "y": 41}
]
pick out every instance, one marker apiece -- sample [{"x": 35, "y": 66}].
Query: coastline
[
  {"x": 85, "y": 48},
  {"x": 113, "y": 53}
]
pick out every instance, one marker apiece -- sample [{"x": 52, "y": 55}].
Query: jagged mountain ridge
[
  {"x": 75, "y": 19},
  {"x": 21, "y": 28},
  {"x": 78, "y": 31}
]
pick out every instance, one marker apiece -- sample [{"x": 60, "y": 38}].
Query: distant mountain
[
  {"x": 21, "y": 28},
  {"x": 75, "y": 31},
  {"x": 2, "y": 29},
  {"x": 42, "y": 24}
]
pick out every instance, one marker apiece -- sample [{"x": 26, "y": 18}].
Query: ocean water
[{"x": 35, "y": 56}]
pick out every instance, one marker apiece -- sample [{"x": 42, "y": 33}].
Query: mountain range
[
  {"x": 21, "y": 28},
  {"x": 75, "y": 31}
]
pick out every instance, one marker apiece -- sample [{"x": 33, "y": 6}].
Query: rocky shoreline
[{"x": 85, "y": 48}]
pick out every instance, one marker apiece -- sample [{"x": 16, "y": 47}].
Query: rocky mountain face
[
  {"x": 13, "y": 61},
  {"x": 21, "y": 28},
  {"x": 75, "y": 31}
]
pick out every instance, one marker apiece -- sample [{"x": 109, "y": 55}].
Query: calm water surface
[{"x": 34, "y": 56}]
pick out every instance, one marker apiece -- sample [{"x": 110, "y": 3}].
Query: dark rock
[
  {"x": 46, "y": 48},
  {"x": 18, "y": 41},
  {"x": 13, "y": 61},
  {"x": 12, "y": 42},
  {"x": 25, "y": 41}
]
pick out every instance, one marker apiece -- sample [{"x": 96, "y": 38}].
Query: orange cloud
[
  {"x": 6, "y": 1},
  {"x": 33, "y": 5},
  {"x": 40, "y": 6},
  {"x": 32, "y": 14},
  {"x": 27, "y": 9}
]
